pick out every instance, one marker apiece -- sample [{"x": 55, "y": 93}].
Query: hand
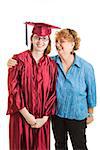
[
  {"x": 28, "y": 116},
  {"x": 90, "y": 120},
  {"x": 11, "y": 62},
  {"x": 40, "y": 122},
  {"x": 30, "y": 119}
]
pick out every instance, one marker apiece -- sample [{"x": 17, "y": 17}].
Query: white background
[{"x": 83, "y": 16}]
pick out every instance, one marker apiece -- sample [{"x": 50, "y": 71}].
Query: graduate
[{"x": 32, "y": 92}]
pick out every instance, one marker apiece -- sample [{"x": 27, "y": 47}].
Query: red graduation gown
[{"x": 34, "y": 87}]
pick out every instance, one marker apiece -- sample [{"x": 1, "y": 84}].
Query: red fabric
[
  {"x": 34, "y": 87},
  {"x": 41, "y": 29}
]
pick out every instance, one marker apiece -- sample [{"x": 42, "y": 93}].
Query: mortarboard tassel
[{"x": 26, "y": 35}]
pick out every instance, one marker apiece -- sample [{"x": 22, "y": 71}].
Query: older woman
[
  {"x": 76, "y": 93},
  {"x": 32, "y": 93}
]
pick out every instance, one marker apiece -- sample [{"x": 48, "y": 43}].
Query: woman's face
[
  {"x": 40, "y": 43},
  {"x": 64, "y": 46}
]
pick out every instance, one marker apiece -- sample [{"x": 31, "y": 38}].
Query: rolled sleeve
[{"x": 90, "y": 86}]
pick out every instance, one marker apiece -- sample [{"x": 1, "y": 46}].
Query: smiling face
[
  {"x": 40, "y": 43},
  {"x": 64, "y": 46},
  {"x": 67, "y": 41}
]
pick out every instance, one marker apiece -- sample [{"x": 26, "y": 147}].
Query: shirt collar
[{"x": 76, "y": 61}]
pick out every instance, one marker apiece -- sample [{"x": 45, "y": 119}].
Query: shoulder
[
  {"x": 51, "y": 59},
  {"x": 84, "y": 63},
  {"x": 54, "y": 57},
  {"x": 21, "y": 56},
  {"x": 87, "y": 66},
  {"x": 51, "y": 62}
]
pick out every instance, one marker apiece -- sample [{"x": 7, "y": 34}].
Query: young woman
[
  {"x": 32, "y": 93},
  {"x": 76, "y": 92}
]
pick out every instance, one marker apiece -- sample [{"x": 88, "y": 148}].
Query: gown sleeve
[
  {"x": 51, "y": 102},
  {"x": 15, "y": 94}
]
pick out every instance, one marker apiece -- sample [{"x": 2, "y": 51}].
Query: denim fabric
[{"x": 76, "y": 89}]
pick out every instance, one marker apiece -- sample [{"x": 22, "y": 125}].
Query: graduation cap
[{"x": 41, "y": 29}]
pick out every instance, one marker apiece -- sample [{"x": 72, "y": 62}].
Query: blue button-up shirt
[{"x": 76, "y": 89}]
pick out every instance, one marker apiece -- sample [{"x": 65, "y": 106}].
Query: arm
[
  {"x": 91, "y": 93},
  {"x": 15, "y": 95},
  {"x": 28, "y": 117},
  {"x": 90, "y": 117},
  {"x": 16, "y": 98},
  {"x": 49, "y": 108}
]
